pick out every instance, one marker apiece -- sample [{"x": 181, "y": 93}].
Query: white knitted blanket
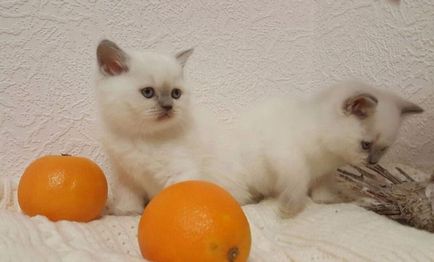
[{"x": 342, "y": 232}]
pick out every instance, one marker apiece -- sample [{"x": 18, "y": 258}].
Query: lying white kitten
[
  {"x": 149, "y": 132},
  {"x": 288, "y": 147}
]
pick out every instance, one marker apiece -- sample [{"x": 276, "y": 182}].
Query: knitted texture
[{"x": 320, "y": 233}]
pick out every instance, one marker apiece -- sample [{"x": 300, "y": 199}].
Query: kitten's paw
[
  {"x": 126, "y": 206},
  {"x": 293, "y": 199},
  {"x": 291, "y": 204},
  {"x": 119, "y": 210},
  {"x": 289, "y": 211},
  {"x": 126, "y": 202},
  {"x": 181, "y": 178}
]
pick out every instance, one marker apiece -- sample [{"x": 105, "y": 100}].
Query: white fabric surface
[{"x": 342, "y": 232}]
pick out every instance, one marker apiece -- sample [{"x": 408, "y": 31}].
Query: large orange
[
  {"x": 63, "y": 188},
  {"x": 194, "y": 221}
]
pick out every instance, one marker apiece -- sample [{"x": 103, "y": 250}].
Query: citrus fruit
[
  {"x": 63, "y": 188},
  {"x": 194, "y": 221}
]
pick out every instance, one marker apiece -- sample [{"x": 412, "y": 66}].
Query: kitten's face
[
  {"x": 143, "y": 92},
  {"x": 369, "y": 125},
  {"x": 378, "y": 133}
]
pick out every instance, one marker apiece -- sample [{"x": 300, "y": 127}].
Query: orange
[
  {"x": 63, "y": 188},
  {"x": 194, "y": 221}
]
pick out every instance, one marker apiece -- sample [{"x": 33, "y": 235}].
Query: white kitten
[
  {"x": 149, "y": 131},
  {"x": 286, "y": 146}
]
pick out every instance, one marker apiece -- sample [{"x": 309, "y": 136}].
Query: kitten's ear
[
  {"x": 183, "y": 56},
  {"x": 362, "y": 105},
  {"x": 410, "y": 108},
  {"x": 111, "y": 59}
]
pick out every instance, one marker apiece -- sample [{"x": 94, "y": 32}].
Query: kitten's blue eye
[
  {"x": 366, "y": 145},
  {"x": 176, "y": 93},
  {"x": 148, "y": 92}
]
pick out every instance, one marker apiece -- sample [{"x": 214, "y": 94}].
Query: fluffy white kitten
[
  {"x": 149, "y": 131},
  {"x": 288, "y": 148}
]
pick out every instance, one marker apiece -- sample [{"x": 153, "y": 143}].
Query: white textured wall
[
  {"x": 390, "y": 45},
  {"x": 244, "y": 50}
]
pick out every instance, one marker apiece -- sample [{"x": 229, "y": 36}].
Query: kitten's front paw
[
  {"x": 125, "y": 206},
  {"x": 289, "y": 211},
  {"x": 293, "y": 200},
  {"x": 123, "y": 211},
  {"x": 181, "y": 178},
  {"x": 125, "y": 201}
]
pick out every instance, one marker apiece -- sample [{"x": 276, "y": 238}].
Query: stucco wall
[{"x": 244, "y": 50}]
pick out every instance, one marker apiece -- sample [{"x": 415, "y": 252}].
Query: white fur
[
  {"x": 146, "y": 153},
  {"x": 285, "y": 146}
]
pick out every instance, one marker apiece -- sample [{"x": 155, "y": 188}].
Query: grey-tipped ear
[
  {"x": 183, "y": 56},
  {"x": 111, "y": 59},
  {"x": 362, "y": 105},
  {"x": 410, "y": 108}
]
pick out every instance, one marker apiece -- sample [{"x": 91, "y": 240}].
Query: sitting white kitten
[
  {"x": 148, "y": 127},
  {"x": 287, "y": 146}
]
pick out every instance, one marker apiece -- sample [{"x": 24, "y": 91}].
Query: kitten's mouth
[{"x": 164, "y": 116}]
